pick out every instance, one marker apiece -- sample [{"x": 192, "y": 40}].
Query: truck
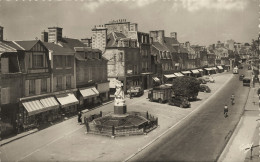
[
  {"x": 235, "y": 70},
  {"x": 160, "y": 94}
]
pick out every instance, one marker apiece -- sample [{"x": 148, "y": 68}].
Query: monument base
[{"x": 119, "y": 109}]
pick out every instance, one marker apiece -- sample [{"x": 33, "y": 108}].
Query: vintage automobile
[
  {"x": 179, "y": 101},
  {"x": 241, "y": 77},
  {"x": 246, "y": 82},
  {"x": 135, "y": 91},
  {"x": 205, "y": 88},
  {"x": 161, "y": 93},
  {"x": 201, "y": 80},
  {"x": 209, "y": 79}
]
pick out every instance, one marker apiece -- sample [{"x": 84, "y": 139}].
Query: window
[
  {"x": 120, "y": 56},
  {"x": 68, "y": 61},
  {"x": 31, "y": 86},
  {"x": 59, "y": 83},
  {"x": 58, "y": 61},
  {"x": 44, "y": 85},
  {"x": 38, "y": 60},
  {"x": 68, "y": 82}
]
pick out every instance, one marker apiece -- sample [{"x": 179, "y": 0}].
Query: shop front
[
  {"x": 103, "y": 89},
  {"x": 196, "y": 73},
  {"x": 156, "y": 81},
  {"x": 208, "y": 71},
  {"x": 68, "y": 103},
  {"x": 38, "y": 111},
  {"x": 186, "y": 73},
  {"x": 220, "y": 69},
  {"x": 88, "y": 97},
  {"x": 179, "y": 74},
  {"x": 214, "y": 70},
  {"x": 169, "y": 78},
  {"x": 201, "y": 72}
]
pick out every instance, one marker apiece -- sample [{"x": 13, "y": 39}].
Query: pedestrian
[
  {"x": 79, "y": 117},
  {"x": 225, "y": 111}
]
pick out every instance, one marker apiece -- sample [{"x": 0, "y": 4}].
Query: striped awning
[
  {"x": 185, "y": 72},
  {"x": 89, "y": 92},
  {"x": 33, "y": 107},
  {"x": 170, "y": 76},
  {"x": 49, "y": 103},
  {"x": 195, "y": 71},
  {"x": 208, "y": 69},
  {"x": 178, "y": 74},
  {"x": 220, "y": 67},
  {"x": 67, "y": 99}
]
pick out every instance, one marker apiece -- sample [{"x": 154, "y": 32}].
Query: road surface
[{"x": 203, "y": 136}]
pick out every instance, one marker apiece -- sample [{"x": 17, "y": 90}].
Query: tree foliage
[{"x": 186, "y": 86}]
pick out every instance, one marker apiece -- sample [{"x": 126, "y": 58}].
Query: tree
[{"x": 186, "y": 86}]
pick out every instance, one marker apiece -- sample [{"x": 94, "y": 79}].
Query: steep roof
[
  {"x": 183, "y": 50},
  {"x": 27, "y": 45},
  {"x": 71, "y": 43},
  {"x": 160, "y": 46},
  {"x": 58, "y": 50},
  {"x": 8, "y": 46}
]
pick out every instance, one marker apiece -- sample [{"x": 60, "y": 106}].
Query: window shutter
[
  {"x": 5, "y": 65},
  {"x": 26, "y": 89},
  {"x": 38, "y": 86},
  {"x": 54, "y": 83},
  {"x": 73, "y": 85},
  {"x": 63, "y": 82},
  {"x": 48, "y": 85}
]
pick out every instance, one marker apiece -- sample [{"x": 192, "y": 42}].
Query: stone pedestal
[{"x": 120, "y": 109}]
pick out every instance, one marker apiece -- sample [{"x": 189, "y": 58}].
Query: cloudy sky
[{"x": 199, "y": 21}]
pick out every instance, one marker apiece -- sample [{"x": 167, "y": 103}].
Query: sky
[{"x": 202, "y": 22}]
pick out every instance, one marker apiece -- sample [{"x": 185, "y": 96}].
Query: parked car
[
  {"x": 205, "y": 88},
  {"x": 246, "y": 82},
  {"x": 209, "y": 79},
  {"x": 241, "y": 77},
  {"x": 179, "y": 101},
  {"x": 135, "y": 91},
  {"x": 202, "y": 81}
]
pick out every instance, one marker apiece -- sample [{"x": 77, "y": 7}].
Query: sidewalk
[{"x": 245, "y": 133}]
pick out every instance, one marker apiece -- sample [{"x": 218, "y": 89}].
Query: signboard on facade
[{"x": 177, "y": 64}]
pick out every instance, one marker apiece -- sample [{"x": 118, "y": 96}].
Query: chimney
[
  {"x": 44, "y": 36},
  {"x": 54, "y": 34},
  {"x": 173, "y": 35},
  {"x": 187, "y": 44},
  {"x": 1, "y": 33}
]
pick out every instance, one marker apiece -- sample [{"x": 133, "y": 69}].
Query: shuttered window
[
  {"x": 44, "y": 85},
  {"x": 68, "y": 82},
  {"x": 59, "y": 83},
  {"x": 31, "y": 87}
]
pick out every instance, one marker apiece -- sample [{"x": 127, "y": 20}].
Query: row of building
[{"x": 41, "y": 80}]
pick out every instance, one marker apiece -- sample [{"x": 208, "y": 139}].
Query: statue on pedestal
[{"x": 119, "y": 105}]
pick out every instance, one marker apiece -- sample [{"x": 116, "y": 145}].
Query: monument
[{"x": 119, "y": 105}]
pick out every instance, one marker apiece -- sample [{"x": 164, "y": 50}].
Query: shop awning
[
  {"x": 178, "y": 74},
  {"x": 200, "y": 70},
  {"x": 170, "y": 85},
  {"x": 89, "y": 92},
  {"x": 67, "y": 99},
  {"x": 185, "y": 72},
  {"x": 214, "y": 68},
  {"x": 49, "y": 103},
  {"x": 220, "y": 67},
  {"x": 208, "y": 69},
  {"x": 195, "y": 71},
  {"x": 156, "y": 79},
  {"x": 170, "y": 76},
  {"x": 33, "y": 107}
]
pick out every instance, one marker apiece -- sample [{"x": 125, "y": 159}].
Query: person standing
[
  {"x": 225, "y": 111},
  {"x": 79, "y": 117}
]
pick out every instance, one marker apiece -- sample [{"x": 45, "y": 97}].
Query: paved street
[
  {"x": 205, "y": 134},
  {"x": 68, "y": 141}
]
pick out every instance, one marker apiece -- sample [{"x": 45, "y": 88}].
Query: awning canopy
[
  {"x": 220, "y": 67},
  {"x": 186, "y": 72},
  {"x": 178, "y": 74},
  {"x": 214, "y": 68},
  {"x": 195, "y": 71},
  {"x": 170, "y": 76},
  {"x": 208, "y": 69},
  {"x": 170, "y": 85},
  {"x": 33, "y": 107},
  {"x": 89, "y": 92},
  {"x": 49, "y": 103},
  {"x": 67, "y": 99},
  {"x": 200, "y": 70},
  {"x": 156, "y": 79}
]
